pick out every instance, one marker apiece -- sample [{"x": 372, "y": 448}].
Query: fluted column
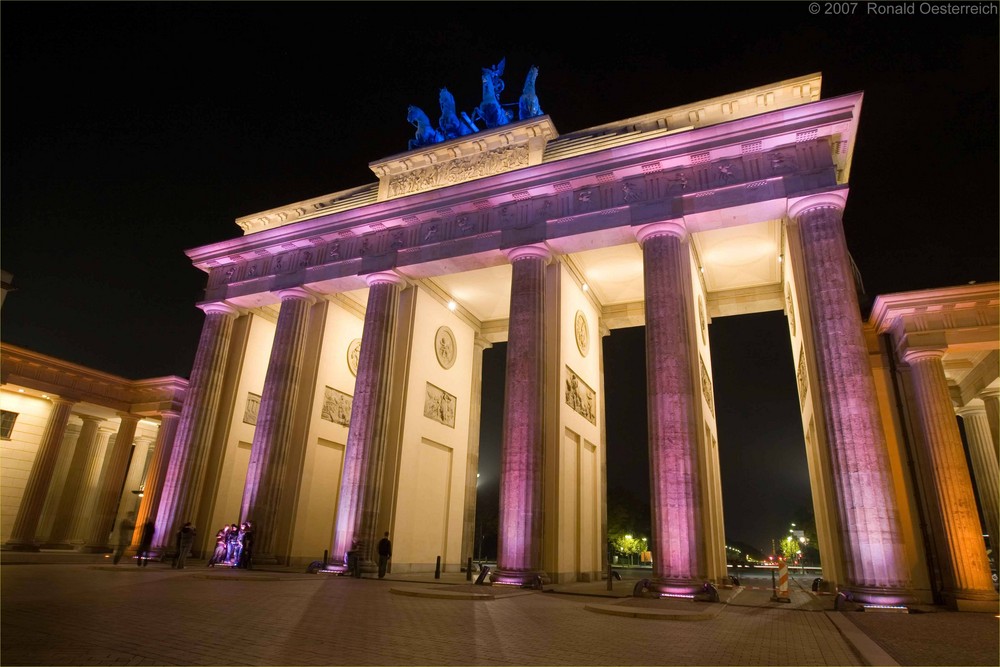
[
  {"x": 262, "y": 490},
  {"x": 676, "y": 496},
  {"x": 874, "y": 558},
  {"x": 991, "y": 403},
  {"x": 69, "y": 501},
  {"x": 22, "y": 536},
  {"x": 89, "y": 485},
  {"x": 188, "y": 458},
  {"x": 984, "y": 465},
  {"x": 106, "y": 509},
  {"x": 153, "y": 484},
  {"x": 519, "y": 543},
  {"x": 966, "y": 572},
  {"x": 364, "y": 454},
  {"x": 472, "y": 463}
]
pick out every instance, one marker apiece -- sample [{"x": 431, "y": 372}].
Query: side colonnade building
[{"x": 336, "y": 391}]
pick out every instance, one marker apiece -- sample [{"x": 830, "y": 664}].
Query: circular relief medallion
[
  {"x": 354, "y": 356},
  {"x": 582, "y": 333},
  {"x": 445, "y": 348}
]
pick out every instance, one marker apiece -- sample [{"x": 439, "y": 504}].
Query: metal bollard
[
  {"x": 437, "y": 568},
  {"x": 468, "y": 570},
  {"x": 326, "y": 557},
  {"x": 609, "y": 575}
]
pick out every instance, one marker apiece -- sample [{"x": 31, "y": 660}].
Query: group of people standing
[{"x": 234, "y": 546}]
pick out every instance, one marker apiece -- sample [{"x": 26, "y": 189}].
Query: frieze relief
[
  {"x": 706, "y": 387},
  {"x": 459, "y": 170},
  {"x": 337, "y": 406},
  {"x": 800, "y": 375},
  {"x": 580, "y": 397},
  {"x": 703, "y": 176},
  {"x": 251, "y": 409},
  {"x": 439, "y": 405}
]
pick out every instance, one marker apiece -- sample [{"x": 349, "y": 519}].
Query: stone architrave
[
  {"x": 519, "y": 548},
  {"x": 153, "y": 484},
  {"x": 103, "y": 520},
  {"x": 69, "y": 500},
  {"x": 364, "y": 454},
  {"x": 188, "y": 458},
  {"x": 22, "y": 536},
  {"x": 876, "y": 567},
  {"x": 966, "y": 572},
  {"x": 984, "y": 466},
  {"x": 262, "y": 490},
  {"x": 675, "y": 499}
]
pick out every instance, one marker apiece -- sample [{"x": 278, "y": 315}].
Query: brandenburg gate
[{"x": 336, "y": 389}]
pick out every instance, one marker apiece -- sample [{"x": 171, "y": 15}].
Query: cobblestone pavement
[{"x": 120, "y": 615}]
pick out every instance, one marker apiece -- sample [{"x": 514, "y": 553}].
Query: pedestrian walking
[
  {"x": 185, "y": 538},
  {"x": 384, "y": 554},
  {"x": 126, "y": 528},
  {"x": 145, "y": 543}
]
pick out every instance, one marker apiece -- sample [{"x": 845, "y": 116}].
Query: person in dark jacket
[
  {"x": 384, "y": 554},
  {"x": 145, "y": 543}
]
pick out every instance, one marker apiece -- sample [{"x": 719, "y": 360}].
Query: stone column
[
  {"x": 519, "y": 544},
  {"x": 89, "y": 485},
  {"x": 189, "y": 455},
  {"x": 71, "y": 497},
  {"x": 364, "y": 454},
  {"x": 106, "y": 509},
  {"x": 676, "y": 495},
  {"x": 153, "y": 483},
  {"x": 984, "y": 465},
  {"x": 874, "y": 555},
  {"x": 991, "y": 403},
  {"x": 262, "y": 490},
  {"x": 142, "y": 454},
  {"x": 472, "y": 463},
  {"x": 966, "y": 573},
  {"x": 22, "y": 536}
]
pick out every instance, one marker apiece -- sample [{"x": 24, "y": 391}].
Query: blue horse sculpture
[
  {"x": 426, "y": 134},
  {"x": 528, "y": 106},
  {"x": 490, "y": 111},
  {"x": 450, "y": 124}
]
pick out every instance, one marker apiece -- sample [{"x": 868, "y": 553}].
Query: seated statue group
[{"x": 491, "y": 112}]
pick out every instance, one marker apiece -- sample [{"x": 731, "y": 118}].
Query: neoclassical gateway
[{"x": 336, "y": 390}]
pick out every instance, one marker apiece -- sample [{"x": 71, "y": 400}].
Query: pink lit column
[
  {"x": 519, "y": 548},
  {"x": 966, "y": 572},
  {"x": 70, "y": 498},
  {"x": 109, "y": 493},
  {"x": 876, "y": 567},
  {"x": 22, "y": 536},
  {"x": 186, "y": 470},
  {"x": 262, "y": 490},
  {"x": 364, "y": 455},
  {"x": 152, "y": 488},
  {"x": 984, "y": 466},
  {"x": 675, "y": 494}
]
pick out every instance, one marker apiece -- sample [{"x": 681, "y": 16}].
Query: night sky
[{"x": 134, "y": 131}]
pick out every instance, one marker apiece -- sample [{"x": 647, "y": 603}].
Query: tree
[
  {"x": 789, "y": 547},
  {"x": 628, "y": 545}
]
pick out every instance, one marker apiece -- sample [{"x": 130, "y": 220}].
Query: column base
[
  {"x": 522, "y": 578},
  {"x": 20, "y": 546},
  {"x": 58, "y": 545},
  {"x": 673, "y": 588},
  {"x": 880, "y": 596},
  {"x": 95, "y": 549}
]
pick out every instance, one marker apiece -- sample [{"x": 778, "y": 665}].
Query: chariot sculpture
[{"x": 491, "y": 112}]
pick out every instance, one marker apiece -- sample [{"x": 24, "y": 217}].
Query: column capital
[
  {"x": 219, "y": 307},
  {"x": 973, "y": 407},
  {"x": 913, "y": 354},
  {"x": 529, "y": 251},
  {"x": 63, "y": 400},
  {"x": 667, "y": 227},
  {"x": 299, "y": 293},
  {"x": 385, "y": 277},
  {"x": 128, "y": 416},
  {"x": 797, "y": 207},
  {"x": 169, "y": 414},
  {"x": 89, "y": 418},
  {"x": 989, "y": 392}
]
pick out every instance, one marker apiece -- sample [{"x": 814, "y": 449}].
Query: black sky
[{"x": 134, "y": 131}]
